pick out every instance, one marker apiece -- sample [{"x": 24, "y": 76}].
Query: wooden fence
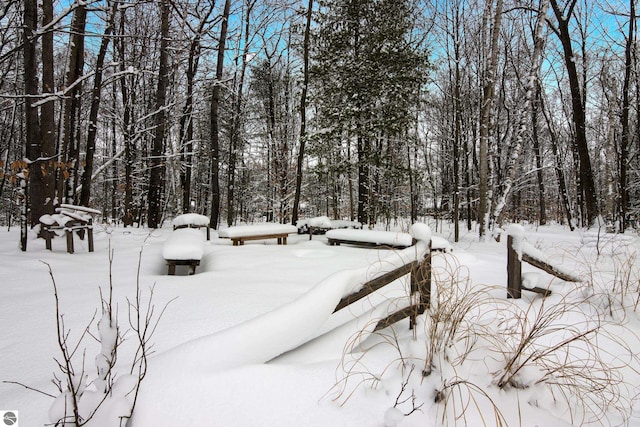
[
  {"x": 420, "y": 291},
  {"x": 514, "y": 270}
]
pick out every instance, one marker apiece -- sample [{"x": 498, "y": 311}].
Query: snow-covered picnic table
[
  {"x": 68, "y": 218},
  {"x": 192, "y": 220},
  {"x": 185, "y": 246},
  {"x": 321, "y": 224},
  {"x": 373, "y": 238},
  {"x": 241, "y": 233}
]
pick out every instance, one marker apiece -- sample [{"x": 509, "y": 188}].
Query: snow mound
[{"x": 189, "y": 367}]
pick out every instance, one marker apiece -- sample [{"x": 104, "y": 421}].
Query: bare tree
[
  {"x": 187, "y": 118},
  {"x": 303, "y": 112},
  {"x": 214, "y": 117},
  {"x": 486, "y": 115},
  {"x": 96, "y": 98},
  {"x": 70, "y": 147},
  {"x": 563, "y": 14},
  {"x": 529, "y": 97},
  {"x": 157, "y": 151},
  {"x": 625, "y": 139}
]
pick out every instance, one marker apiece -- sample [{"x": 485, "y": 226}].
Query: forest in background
[{"x": 479, "y": 112}]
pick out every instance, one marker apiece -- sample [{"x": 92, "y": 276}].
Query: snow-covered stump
[{"x": 518, "y": 251}]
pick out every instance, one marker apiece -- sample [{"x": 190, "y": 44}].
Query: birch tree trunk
[
  {"x": 542, "y": 216},
  {"x": 524, "y": 115},
  {"x": 486, "y": 116}
]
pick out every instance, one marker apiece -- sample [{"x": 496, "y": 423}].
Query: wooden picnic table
[
  {"x": 240, "y": 234},
  {"x": 70, "y": 219}
]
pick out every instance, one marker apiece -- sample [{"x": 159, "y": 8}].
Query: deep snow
[{"x": 193, "y": 382}]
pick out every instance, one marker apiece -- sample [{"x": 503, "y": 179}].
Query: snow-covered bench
[
  {"x": 371, "y": 238},
  {"x": 241, "y": 233},
  {"x": 185, "y": 246},
  {"x": 68, "y": 218},
  {"x": 192, "y": 220}
]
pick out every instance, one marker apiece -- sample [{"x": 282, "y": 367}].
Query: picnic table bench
[
  {"x": 192, "y": 220},
  {"x": 70, "y": 219},
  {"x": 370, "y": 238},
  {"x": 241, "y": 233},
  {"x": 322, "y": 224},
  {"x": 185, "y": 246}
]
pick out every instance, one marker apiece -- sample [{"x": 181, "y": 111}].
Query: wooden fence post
[
  {"x": 421, "y": 283},
  {"x": 514, "y": 271}
]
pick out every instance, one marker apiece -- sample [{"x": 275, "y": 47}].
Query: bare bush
[
  {"x": 562, "y": 348},
  {"x": 556, "y": 343},
  {"x": 100, "y": 391}
]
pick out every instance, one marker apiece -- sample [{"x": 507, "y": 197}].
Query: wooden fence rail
[
  {"x": 420, "y": 291},
  {"x": 514, "y": 269}
]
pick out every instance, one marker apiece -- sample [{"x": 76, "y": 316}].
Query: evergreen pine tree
[{"x": 367, "y": 76}]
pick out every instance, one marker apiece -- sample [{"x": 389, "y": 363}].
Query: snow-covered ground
[{"x": 246, "y": 304}]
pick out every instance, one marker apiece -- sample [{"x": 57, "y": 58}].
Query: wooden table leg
[
  {"x": 69, "y": 234},
  {"x": 90, "y": 237}
]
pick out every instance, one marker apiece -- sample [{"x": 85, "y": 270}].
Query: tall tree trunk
[
  {"x": 364, "y": 201},
  {"x": 587, "y": 182},
  {"x": 236, "y": 122},
  {"x": 486, "y": 117},
  {"x": 127, "y": 125},
  {"x": 303, "y": 113},
  {"x": 530, "y": 93},
  {"x": 215, "y": 125},
  {"x": 96, "y": 97},
  {"x": 114, "y": 167},
  {"x": 157, "y": 161},
  {"x": 457, "y": 132},
  {"x": 32, "y": 119},
  {"x": 186, "y": 121},
  {"x": 69, "y": 142},
  {"x": 45, "y": 174},
  {"x": 562, "y": 183},
  {"x": 623, "y": 192},
  {"x": 186, "y": 127},
  {"x": 542, "y": 206}
]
